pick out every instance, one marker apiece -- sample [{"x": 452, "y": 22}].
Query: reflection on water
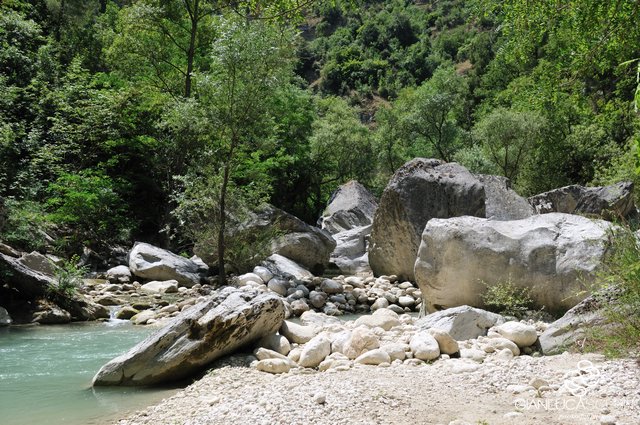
[{"x": 46, "y": 372}]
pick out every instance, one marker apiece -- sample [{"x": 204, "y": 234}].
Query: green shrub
[
  {"x": 506, "y": 298},
  {"x": 619, "y": 292},
  {"x": 68, "y": 278},
  {"x": 25, "y": 225}
]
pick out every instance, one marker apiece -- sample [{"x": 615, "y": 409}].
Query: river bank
[{"x": 582, "y": 389}]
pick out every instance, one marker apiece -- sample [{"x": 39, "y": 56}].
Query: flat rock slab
[{"x": 229, "y": 320}]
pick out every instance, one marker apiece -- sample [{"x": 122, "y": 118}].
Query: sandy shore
[{"x": 582, "y": 389}]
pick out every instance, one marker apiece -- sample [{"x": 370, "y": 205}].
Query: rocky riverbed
[{"x": 565, "y": 389}]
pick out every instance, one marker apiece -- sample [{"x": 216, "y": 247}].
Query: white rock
[
  {"x": 374, "y": 357},
  {"x": 118, "y": 271},
  {"x": 462, "y": 322},
  {"x": 275, "y": 342},
  {"x": 406, "y": 301},
  {"x": 382, "y": 317},
  {"x": 155, "y": 286},
  {"x": 424, "y": 346},
  {"x": 521, "y": 334},
  {"x": 491, "y": 345},
  {"x": 263, "y": 273},
  {"x": 473, "y": 354},
  {"x": 396, "y": 350},
  {"x": 143, "y": 317},
  {"x": 447, "y": 344},
  {"x": 315, "y": 351},
  {"x": 298, "y": 333},
  {"x": 273, "y": 366},
  {"x": 379, "y": 303},
  {"x": 245, "y": 279},
  {"x": 359, "y": 341}
]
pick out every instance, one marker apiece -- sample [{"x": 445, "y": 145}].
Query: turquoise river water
[{"x": 46, "y": 371}]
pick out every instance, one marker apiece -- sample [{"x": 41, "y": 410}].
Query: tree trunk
[
  {"x": 222, "y": 275},
  {"x": 192, "y": 48}
]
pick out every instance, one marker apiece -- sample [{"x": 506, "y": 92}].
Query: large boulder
[
  {"x": 350, "y": 206},
  {"x": 420, "y": 190},
  {"x": 153, "y": 263},
  {"x": 307, "y": 245},
  {"x": 461, "y": 322},
  {"x": 552, "y": 256},
  {"x": 229, "y": 320},
  {"x": 502, "y": 202},
  {"x": 609, "y": 202}
]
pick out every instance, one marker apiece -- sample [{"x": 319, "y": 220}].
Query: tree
[
  {"x": 165, "y": 42},
  {"x": 340, "y": 149},
  {"x": 508, "y": 137},
  {"x": 423, "y": 121},
  {"x": 250, "y": 62}
]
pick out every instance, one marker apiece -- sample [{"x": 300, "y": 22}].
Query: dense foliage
[{"x": 162, "y": 119}]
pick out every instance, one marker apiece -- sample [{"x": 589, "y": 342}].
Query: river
[{"x": 46, "y": 372}]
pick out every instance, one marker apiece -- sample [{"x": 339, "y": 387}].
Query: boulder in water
[{"x": 227, "y": 321}]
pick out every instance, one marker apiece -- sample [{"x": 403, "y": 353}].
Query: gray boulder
[
  {"x": 119, "y": 274},
  {"x": 38, "y": 262},
  {"x": 573, "y": 326},
  {"x": 52, "y": 316},
  {"x": 32, "y": 284},
  {"x": 282, "y": 266},
  {"x": 502, "y": 202},
  {"x": 461, "y": 323},
  {"x": 350, "y": 206},
  {"x": 350, "y": 255},
  {"x": 554, "y": 256},
  {"x": 153, "y": 263},
  {"x": 608, "y": 202},
  {"x": 420, "y": 190},
  {"x": 5, "y": 319},
  {"x": 230, "y": 319},
  {"x": 348, "y": 218}
]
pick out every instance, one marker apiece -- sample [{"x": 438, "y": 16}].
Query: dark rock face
[
  {"x": 420, "y": 190},
  {"x": 608, "y": 202},
  {"x": 227, "y": 321}
]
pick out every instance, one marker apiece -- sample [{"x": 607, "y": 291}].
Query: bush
[
  {"x": 25, "y": 225},
  {"x": 68, "y": 278},
  {"x": 506, "y": 298},
  {"x": 619, "y": 291}
]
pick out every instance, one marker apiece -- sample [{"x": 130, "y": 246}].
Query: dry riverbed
[{"x": 576, "y": 389}]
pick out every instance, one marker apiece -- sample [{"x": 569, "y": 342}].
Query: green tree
[
  {"x": 340, "y": 149},
  {"x": 425, "y": 121},
  {"x": 250, "y": 63},
  {"x": 509, "y": 137}
]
